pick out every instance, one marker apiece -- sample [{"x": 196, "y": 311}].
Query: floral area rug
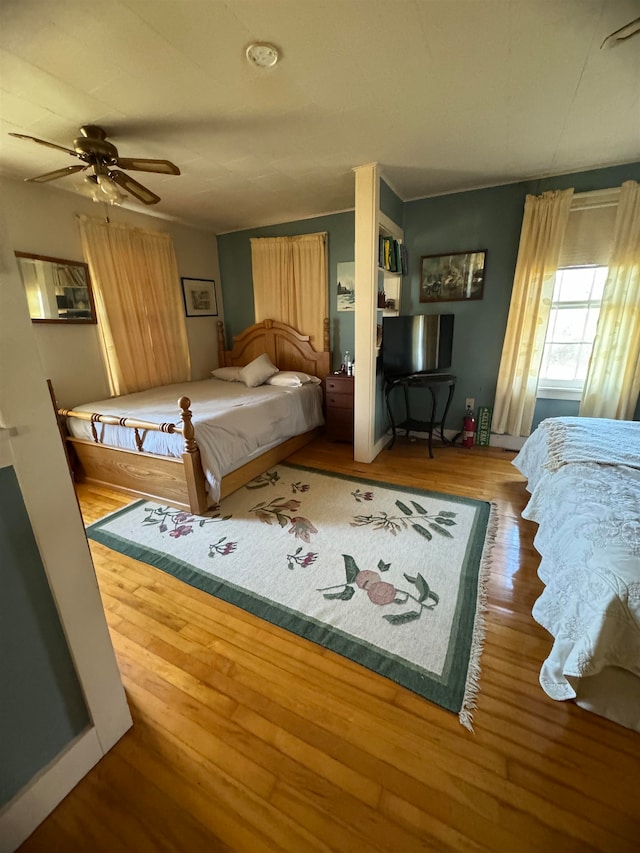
[{"x": 390, "y": 577}]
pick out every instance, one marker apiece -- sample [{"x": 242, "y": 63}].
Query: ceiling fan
[{"x": 99, "y": 155}]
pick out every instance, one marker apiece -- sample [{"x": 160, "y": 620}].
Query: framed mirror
[{"x": 58, "y": 291}]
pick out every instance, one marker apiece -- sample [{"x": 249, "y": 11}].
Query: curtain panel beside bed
[
  {"x": 290, "y": 282},
  {"x": 140, "y": 316},
  {"x": 543, "y": 226},
  {"x": 613, "y": 379}
]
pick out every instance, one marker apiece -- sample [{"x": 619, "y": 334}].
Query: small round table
[{"x": 432, "y": 382}]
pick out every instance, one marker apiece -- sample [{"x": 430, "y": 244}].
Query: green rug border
[{"x": 447, "y": 690}]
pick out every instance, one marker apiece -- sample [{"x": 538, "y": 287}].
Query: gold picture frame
[{"x": 452, "y": 277}]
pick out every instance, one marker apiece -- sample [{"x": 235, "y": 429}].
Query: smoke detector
[{"x": 262, "y": 54}]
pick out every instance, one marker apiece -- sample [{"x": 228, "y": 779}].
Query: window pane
[
  {"x": 598, "y": 282},
  {"x": 584, "y": 352},
  {"x": 575, "y": 284},
  {"x": 592, "y": 323},
  {"x": 544, "y": 365},
  {"x": 570, "y": 324},
  {"x": 561, "y": 361}
]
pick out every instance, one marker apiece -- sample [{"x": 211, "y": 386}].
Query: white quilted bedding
[{"x": 588, "y": 514}]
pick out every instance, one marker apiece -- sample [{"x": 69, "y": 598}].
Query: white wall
[{"x": 41, "y": 220}]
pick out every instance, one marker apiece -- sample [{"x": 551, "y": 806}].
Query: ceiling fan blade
[
  {"x": 624, "y": 33},
  {"x": 127, "y": 183},
  {"x": 42, "y": 142},
  {"x": 163, "y": 167},
  {"x": 59, "y": 173}
]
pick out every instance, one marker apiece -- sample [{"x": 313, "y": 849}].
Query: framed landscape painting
[
  {"x": 346, "y": 288},
  {"x": 458, "y": 275}
]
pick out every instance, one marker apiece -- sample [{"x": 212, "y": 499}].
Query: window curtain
[
  {"x": 613, "y": 378},
  {"x": 543, "y": 226},
  {"x": 138, "y": 304},
  {"x": 290, "y": 282}
]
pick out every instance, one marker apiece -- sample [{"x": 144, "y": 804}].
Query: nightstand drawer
[
  {"x": 339, "y": 385},
  {"x": 340, "y": 401}
]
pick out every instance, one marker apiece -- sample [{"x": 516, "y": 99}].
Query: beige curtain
[
  {"x": 290, "y": 282},
  {"x": 138, "y": 303},
  {"x": 543, "y": 226},
  {"x": 613, "y": 379}
]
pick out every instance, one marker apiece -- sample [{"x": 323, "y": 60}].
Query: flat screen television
[{"x": 416, "y": 344}]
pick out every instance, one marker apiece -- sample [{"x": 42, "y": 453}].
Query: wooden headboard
[{"x": 287, "y": 348}]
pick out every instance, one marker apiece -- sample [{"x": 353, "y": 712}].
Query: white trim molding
[
  {"x": 366, "y": 238},
  {"x": 507, "y": 442},
  {"x": 44, "y": 792}
]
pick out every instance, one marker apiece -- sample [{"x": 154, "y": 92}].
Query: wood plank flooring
[{"x": 248, "y": 738}]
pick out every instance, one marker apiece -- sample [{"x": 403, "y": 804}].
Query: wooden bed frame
[{"x": 180, "y": 482}]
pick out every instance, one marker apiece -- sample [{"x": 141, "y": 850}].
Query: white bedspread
[
  {"x": 232, "y": 423},
  {"x": 588, "y": 514}
]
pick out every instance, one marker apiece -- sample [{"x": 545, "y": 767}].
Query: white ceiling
[{"x": 445, "y": 94}]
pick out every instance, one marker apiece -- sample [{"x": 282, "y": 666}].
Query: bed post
[
  {"x": 221, "y": 348},
  {"x": 325, "y": 336},
  {"x": 192, "y": 466}
]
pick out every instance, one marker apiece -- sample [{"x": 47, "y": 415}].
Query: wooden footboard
[
  {"x": 177, "y": 481},
  {"x": 168, "y": 479},
  {"x": 160, "y": 478}
]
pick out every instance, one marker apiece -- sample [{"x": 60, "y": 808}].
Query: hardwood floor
[{"x": 248, "y": 738}]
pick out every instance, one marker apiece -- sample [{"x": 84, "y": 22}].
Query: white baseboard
[
  {"x": 508, "y": 442},
  {"x": 30, "y": 806},
  {"x": 380, "y": 444}
]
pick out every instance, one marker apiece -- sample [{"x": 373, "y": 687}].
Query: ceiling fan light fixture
[
  {"x": 100, "y": 188},
  {"x": 89, "y": 187},
  {"x": 110, "y": 189},
  {"x": 262, "y": 54}
]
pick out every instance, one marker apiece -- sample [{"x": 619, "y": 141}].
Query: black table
[{"x": 434, "y": 383}]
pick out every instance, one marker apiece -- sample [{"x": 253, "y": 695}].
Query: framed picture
[
  {"x": 199, "y": 297},
  {"x": 346, "y": 287},
  {"x": 458, "y": 275}
]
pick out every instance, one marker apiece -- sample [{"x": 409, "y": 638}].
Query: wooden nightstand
[{"x": 338, "y": 395}]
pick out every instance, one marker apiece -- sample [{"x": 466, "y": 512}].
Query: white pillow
[
  {"x": 229, "y": 374},
  {"x": 291, "y": 379},
  {"x": 257, "y": 371}
]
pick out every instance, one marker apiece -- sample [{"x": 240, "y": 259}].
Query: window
[
  {"x": 572, "y": 328},
  {"x": 577, "y": 294}
]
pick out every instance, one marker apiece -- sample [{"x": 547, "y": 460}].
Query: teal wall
[
  {"x": 488, "y": 219},
  {"x": 391, "y": 204},
  {"x": 234, "y": 253},
  {"x": 41, "y": 704}
]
